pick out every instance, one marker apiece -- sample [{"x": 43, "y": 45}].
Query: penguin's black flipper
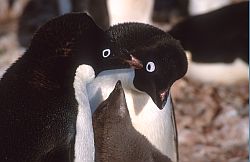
[{"x": 115, "y": 137}]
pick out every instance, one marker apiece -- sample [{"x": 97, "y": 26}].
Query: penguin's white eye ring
[
  {"x": 106, "y": 53},
  {"x": 150, "y": 67}
]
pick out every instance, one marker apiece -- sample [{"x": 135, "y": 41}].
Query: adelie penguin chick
[
  {"x": 158, "y": 61},
  {"x": 116, "y": 140},
  {"x": 38, "y": 106}
]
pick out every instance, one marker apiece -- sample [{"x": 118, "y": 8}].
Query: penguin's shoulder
[{"x": 214, "y": 19}]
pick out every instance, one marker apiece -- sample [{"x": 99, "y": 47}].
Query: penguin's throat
[
  {"x": 100, "y": 88},
  {"x": 110, "y": 77}
]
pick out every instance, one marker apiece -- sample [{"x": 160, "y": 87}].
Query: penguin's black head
[
  {"x": 72, "y": 38},
  {"x": 158, "y": 59},
  {"x": 67, "y": 41},
  {"x": 163, "y": 63}
]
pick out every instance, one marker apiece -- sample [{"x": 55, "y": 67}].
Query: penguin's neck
[
  {"x": 84, "y": 141},
  {"x": 100, "y": 88},
  {"x": 155, "y": 124}
]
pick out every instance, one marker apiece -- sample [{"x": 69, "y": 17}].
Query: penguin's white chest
[
  {"x": 157, "y": 125},
  {"x": 197, "y": 7},
  {"x": 219, "y": 72}
]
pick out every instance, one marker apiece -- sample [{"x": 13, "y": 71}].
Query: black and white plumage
[
  {"x": 158, "y": 126},
  {"x": 158, "y": 61},
  {"x": 115, "y": 137},
  {"x": 217, "y": 36},
  {"x": 159, "y": 58},
  {"x": 38, "y": 106},
  {"x": 218, "y": 42}
]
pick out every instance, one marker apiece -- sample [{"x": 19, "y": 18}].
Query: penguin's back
[{"x": 217, "y": 36}]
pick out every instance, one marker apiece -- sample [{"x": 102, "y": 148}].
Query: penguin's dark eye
[
  {"x": 106, "y": 53},
  {"x": 150, "y": 67}
]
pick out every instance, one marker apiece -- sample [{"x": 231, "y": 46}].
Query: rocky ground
[{"x": 212, "y": 119}]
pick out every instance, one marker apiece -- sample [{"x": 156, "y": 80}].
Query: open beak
[
  {"x": 160, "y": 98},
  {"x": 134, "y": 62},
  {"x": 164, "y": 97}
]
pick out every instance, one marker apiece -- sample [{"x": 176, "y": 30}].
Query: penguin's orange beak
[{"x": 134, "y": 62}]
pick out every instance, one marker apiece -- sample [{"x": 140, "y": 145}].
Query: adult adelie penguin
[
  {"x": 116, "y": 140},
  {"x": 218, "y": 36},
  {"x": 158, "y": 61},
  {"x": 218, "y": 42},
  {"x": 38, "y": 108}
]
